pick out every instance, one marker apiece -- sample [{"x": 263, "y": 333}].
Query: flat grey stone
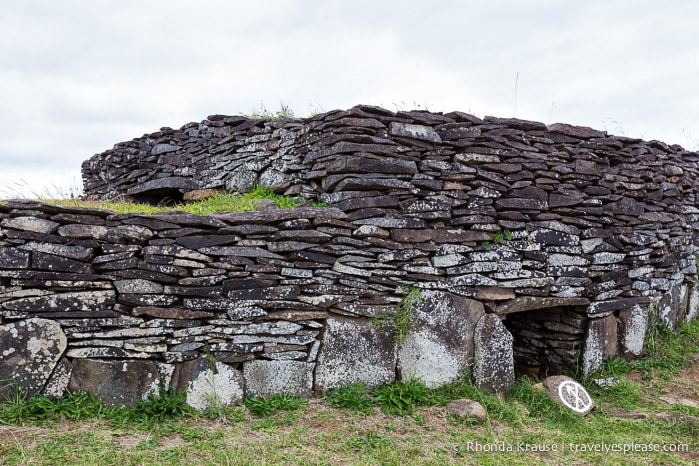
[
  {"x": 439, "y": 347},
  {"x": 268, "y": 378},
  {"x": 467, "y": 409},
  {"x": 355, "y": 351},
  {"x": 29, "y": 352},
  {"x": 36, "y": 225}
]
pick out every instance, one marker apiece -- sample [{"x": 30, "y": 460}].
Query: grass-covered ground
[{"x": 394, "y": 424}]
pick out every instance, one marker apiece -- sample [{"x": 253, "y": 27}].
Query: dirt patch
[{"x": 10, "y": 434}]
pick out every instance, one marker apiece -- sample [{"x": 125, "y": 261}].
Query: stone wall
[{"x": 531, "y": 244}]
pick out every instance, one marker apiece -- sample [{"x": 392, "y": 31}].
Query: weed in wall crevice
[
  {"x": 402, "y": 320},
  {"x": 503, "y": 236}
]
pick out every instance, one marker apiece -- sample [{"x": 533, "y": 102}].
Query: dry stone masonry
[{"x": 534, "y": 247}]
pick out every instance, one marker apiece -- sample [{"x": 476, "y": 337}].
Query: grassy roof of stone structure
[{"x": 217, "y": 202}]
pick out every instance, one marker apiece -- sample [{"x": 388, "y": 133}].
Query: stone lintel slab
[
  {"x": 600, "y": 307},
  {"x": 529, "y": 303}
]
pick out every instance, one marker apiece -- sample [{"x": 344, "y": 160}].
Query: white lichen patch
[
  {"x": 355, "y": 351},
  {"x": 635, "y": 331},
  {"x": 432, "y": 362},
  {"x": 221, "y": 386}
]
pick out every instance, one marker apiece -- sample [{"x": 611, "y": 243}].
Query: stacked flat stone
[
  {"x": 591, "y": 215},
  {"x": 565, "y": 233}
]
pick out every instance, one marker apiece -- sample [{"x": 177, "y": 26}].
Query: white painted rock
[{"x": 569, "y": 393}]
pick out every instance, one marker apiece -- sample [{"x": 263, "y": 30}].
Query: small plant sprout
[
  {"x": 403, "y": 319},
  {"x": 503, "y": 236}
]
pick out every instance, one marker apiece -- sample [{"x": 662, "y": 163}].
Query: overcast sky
[{"x": 78, "y": 76}]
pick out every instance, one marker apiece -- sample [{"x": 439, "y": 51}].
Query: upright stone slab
[
  {"x": 692, "y": 301},
  {"x": 672, "y": 307},
  {"x": 633, "y": 325},
  {"x": 494, "y": 367},
  {"x": 267, "y": 378},
  {"x": 601, "y": 342},
  {"x": 115, "y": 382},
  {"x": 29, "y": 351},
  {"x": 439, "y": 347},
  {"x": 355, "y": 351},
  {"x": 58, "y": 382},
  {"x": 208, "y": 383}
]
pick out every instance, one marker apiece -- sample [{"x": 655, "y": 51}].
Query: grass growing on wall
[
  {"x": 222, "y": 202},
  {"x": 401, "y": 321}
]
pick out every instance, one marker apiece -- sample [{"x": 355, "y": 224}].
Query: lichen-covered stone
[
  {"x": 29, "y": 352},
  {"x": 633, "y": 325},
  {"x": 355, "y": 351},
  {"x": 672, "y": 308},
  {"x": 494, "y": 367},
  {"x": 267, "y": 378},
  {"x": 57, "y": 383},
  {"x": 207, "y": 383},
  {"x": 439, "y": 346},
  {"x": 601, "y": 342}
]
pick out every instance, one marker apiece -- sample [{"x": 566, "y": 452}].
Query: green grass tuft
[
  {"x": 401, "y": 398},
  {"x": 266, "y": 406},
  {"x": 354, "y": 397},
  {"x": 222, "y": 202}
]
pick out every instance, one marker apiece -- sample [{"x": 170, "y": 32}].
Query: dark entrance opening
[
  {"x": 161, "y": 197},
  {"x": 547, "y": 341}
]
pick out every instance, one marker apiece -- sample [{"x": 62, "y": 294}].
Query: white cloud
[{"x": 80, "y": 76}]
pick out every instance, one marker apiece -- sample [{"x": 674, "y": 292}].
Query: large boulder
[
  {"x": 115, "y": 382},
  {"x": 208, "y": 383},
  {"x": 29, "y": 352},
  {"x": 355, "y": 351},
  {"x": 439, "y": 347},
  {"x": 268, "y": 378}
]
